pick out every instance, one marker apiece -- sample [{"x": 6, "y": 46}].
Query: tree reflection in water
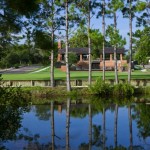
[
  {"x": 10, "y": 122},
  {"x": 52, "y": 125},
  {"x": 67, "y": 124},
  {"x": 96, "y": 130}
]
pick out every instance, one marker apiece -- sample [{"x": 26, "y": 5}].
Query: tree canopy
[{"x": 142, "y": 45}]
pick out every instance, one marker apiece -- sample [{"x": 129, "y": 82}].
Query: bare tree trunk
[
  {"x": 52, "y": 51},
  {"x": 90, "y": 127},
  {"x": 52, "y": 62},
  {"x": 103, "y": 30},
  {"x": 67, "y": 62},
  {"x": 89, "y": 44},
  {"x": 67, "y": 124},
  {"x": 130, "y": 127},
  {"x": 52, "y": 125},
  {"x": 130, "y": 50},
  {"x": 115, "y": 51},
  {"x": 116, "y": 124}
]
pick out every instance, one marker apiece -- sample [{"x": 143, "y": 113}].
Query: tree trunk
[
  {"x": 67, "y": 63},
  {"x": 52, "y": 125},
  {"x": 67, "y": 124},
  {"x": 115, "y": 126},
  {"x": 89, "y": 45},
  {"x": 130, "y": 49},
  {"x": 90, "y": 127},
  {"x": 52, "y": 62},
  {"x": 103, "y": 30},
  {"x": 52, "y": 51},
  {"x": 115, "y": 51}
]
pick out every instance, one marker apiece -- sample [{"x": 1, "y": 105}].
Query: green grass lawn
[{"x": 45, "y": 75}]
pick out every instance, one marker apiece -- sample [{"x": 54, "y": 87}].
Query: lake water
[{"x": 76, "y": 125}]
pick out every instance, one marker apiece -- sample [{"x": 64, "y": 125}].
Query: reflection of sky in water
[{"x": 79, "y": 128}]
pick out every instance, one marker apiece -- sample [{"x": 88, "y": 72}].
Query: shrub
[
  {"x": 16, "y": 66},
  {"x": 101, "y": 88},
  {"x": 13, "y": 96},
  {"x": 123, "y": 89}
]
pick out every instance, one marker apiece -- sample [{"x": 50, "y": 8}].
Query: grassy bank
[
  {"x": 43, "y": 96},
  {"x": 45, "y": 75},
  {"x": 61, "y": 92}
]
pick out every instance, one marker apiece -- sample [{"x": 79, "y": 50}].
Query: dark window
[
  {"x": 63, "y": 56},
  {"x": 85, "y": 57}
]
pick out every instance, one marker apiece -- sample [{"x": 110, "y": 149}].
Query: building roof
[{"x": 84, "y": 50}]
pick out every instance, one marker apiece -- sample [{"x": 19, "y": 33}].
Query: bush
[
  {"x": 16, "y": 66},
  {"x": 123, "y": 89},
  {"x": 13, "y": 96},
  {"x": 101, "y": 88}
]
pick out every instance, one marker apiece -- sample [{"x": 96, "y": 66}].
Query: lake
[{"x": 76, "y": 124}]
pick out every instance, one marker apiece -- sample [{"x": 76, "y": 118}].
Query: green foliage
[
  {"x": 115, "y": 38},
  {"x": 140, "y": 6},
  {"x": 13, "y": 101},
  {"x": 101, "y": 88},
  {"x": 147, "y": 90},
  {"x": 123, "y": 89},
  {"x": 12, "y": 96},
  {"x": 96, "y": 40},
  {"x": 115, "y": 5},
  {"x": 143, "y": 90},
  {"x": 142, "y": 119},
  {"x": 75, "y": 40},
  {"x": 104, "y": 89},
  {"x": 142, "y": 45},
  {"x": 42, "y": 40},
  {"x": 24, "y": 7},
  {"x": 72, "y": 58}
]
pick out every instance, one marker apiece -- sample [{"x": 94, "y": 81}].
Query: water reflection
[
  {"x": 96, "y": 124},
  {"x": 52, "y": 125},
  {"x": 68, "y": 124}
]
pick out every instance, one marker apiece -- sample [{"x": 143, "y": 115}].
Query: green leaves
[
  {"x": 42, "y": 40},
  {"x": 114, "y": 37},
  {"x": 143, "y": 45},
  {"x": 24, "y": 7},
  {"x": 115, "y": 5},
  {"x": 140, "y": 6}
]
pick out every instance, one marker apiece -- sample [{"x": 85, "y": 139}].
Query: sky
[{"x": 122, "y": 25}]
